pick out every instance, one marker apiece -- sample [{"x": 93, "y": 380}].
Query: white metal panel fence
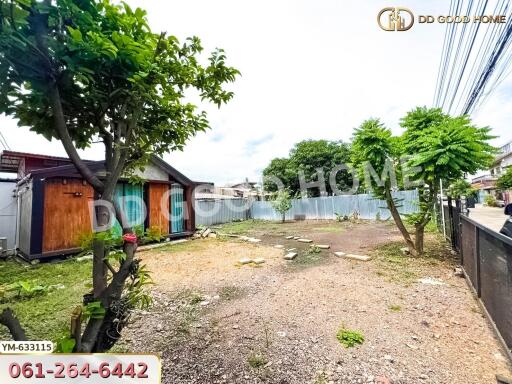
[
  {"x": 210, "y": 212},
  {"x": 366, "y": 206}
]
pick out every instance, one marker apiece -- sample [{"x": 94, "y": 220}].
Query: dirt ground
[{"x": 216, "y": 321}]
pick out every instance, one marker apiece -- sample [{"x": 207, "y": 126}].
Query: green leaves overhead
[{"x": 114, "y": 75}]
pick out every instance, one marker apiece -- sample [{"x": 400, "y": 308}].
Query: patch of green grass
[
  {"x": 46, "y": 316},
  {"x": 405, "y": 269},
  {"x": 188, "y": 313},
  {"x": 330, "y": 228},
  {"x": 230, "y": 292},
  {"x": 256, "y": 360},
  {"x": 250, "y": 226},
  {"x": 349, "y": 338},
  {"x": 395, "y": 308},
  {"x": 310, "y": 256},
  {"x": 190, "y": 245}
]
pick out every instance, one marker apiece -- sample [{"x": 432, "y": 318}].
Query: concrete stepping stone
[
  {"x": 279, "y": 246},
  {"x": 253, "y": 240},
  {"x": 245, "y": 261},
  {"x": 259, "y": 260},
  {"x": 352, "y": 256},
  {"x": 296, "y": 237},
  {"x": 305, "y": 240},
  {"x": 289, "y": 237},
  {"x": 290, "y": 255},
  {"x": 321, "y": 246}
]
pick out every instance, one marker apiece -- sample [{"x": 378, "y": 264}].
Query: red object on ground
[{"x": 130, "y": 237}]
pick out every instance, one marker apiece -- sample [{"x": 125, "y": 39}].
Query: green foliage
[
  {"x": 309, "y": 156},
  {"x": 65, "y": 344},
  {"x": 93, "y": 310},
  {"x": 505, "y": 181},
  {"x": 395, "y": 308},
  {"x": 490, "y": 201},
  {"x": 444, "y": 147},
  {"x": 256, "y": 360},
  {"x": 282, "y": 202},
  {"x": 373, "y": 149},
  {"x": 349, "y": 338},
  {"x": 116, "y": 78},
  {"x": 153, "y": 234},
  {"x": 45, "y": 316},
  {"x": 22, "y": 289},
  {"x": 461, "y": 188},
  {"x": 137, "y": 292}
]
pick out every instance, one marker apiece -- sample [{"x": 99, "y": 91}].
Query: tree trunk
[
  {"x": 283, "y": 219},
  {"x": 399, "y": 223},
  {"x": 419, "y": 239}
]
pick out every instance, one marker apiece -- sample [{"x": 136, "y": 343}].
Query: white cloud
[{"x": 310, "y": 69}]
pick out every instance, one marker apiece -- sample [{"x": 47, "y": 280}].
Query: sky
[{"x": 311, "y": 69}]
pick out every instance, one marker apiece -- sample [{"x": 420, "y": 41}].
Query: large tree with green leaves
[
  {"x": 310, "y": 158},
  {"x": 376, "y": 154},
  {"x": 441, "y": 148},
  {"x": 434, "y": 148},
  {"x": 83, "y": 71}
]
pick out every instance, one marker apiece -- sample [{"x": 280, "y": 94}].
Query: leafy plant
[
  {"x": 93, "y": 310},
  {"x": 256, "y": 360},
  {"x": 26, "y": 288},
  {"x": 89, "y": 71},
  {"x": 461, "y": 188},
  {"x": 349, "y": 338},
  {"x": 505, "y": 181},
  {"x": 282, "y": 203},
  {"x": 490, "y": 201},
  {"x": 65, "y": 344},
  {"x": 395, "y": 308},
  {"x": 153, "y": 234}
]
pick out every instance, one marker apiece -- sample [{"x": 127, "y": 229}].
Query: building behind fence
[{"x": 210, "y": 212}]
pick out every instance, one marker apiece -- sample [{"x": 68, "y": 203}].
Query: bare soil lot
[{"x": 216, "y": 321}]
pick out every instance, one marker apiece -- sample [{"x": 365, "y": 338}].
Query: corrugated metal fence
[
  {"x": 210, "y": 212},
  {"x": 366, "y": 206}
]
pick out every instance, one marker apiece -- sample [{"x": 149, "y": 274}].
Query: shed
[{"x": 54, "y": 209}]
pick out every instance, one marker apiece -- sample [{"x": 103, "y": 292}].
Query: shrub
[
  {"x": 349, "y": 338},
  {"x": 490, "y": 201}
]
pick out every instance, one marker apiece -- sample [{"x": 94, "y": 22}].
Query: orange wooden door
[
  {"x": 66, "y": 213},
  {"x": 159, "y": 207}
]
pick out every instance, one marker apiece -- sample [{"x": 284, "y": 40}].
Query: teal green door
[
  {"x": 130, "y": 199},
  {"x": 177, "y": 219}
]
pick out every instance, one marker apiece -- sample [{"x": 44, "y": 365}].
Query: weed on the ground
[
  {"x": 395, "y": 266},
  {"x": 256, "y": 360},
  {"x": 46, "y": 316},
  {"x": 349, "y": 338}
]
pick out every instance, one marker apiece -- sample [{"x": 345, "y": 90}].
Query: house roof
[
  {"x": 10, "y": 160},
  {"x": 95, "y": 166}
]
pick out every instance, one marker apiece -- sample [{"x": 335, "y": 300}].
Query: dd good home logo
[{"x": 395, "y": 19}]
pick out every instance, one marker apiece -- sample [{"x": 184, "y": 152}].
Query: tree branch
[{"x": 8, "y": 319}]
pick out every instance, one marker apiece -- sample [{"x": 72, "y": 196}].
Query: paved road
[{"x": 491, "y": 217}]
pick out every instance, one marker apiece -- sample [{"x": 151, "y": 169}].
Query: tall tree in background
[
  {"x": 82, "y": 71},
  {"x": 310, "y": 157}
]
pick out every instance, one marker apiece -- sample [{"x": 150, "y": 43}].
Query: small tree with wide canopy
[{"x": 85, "y": 71}]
